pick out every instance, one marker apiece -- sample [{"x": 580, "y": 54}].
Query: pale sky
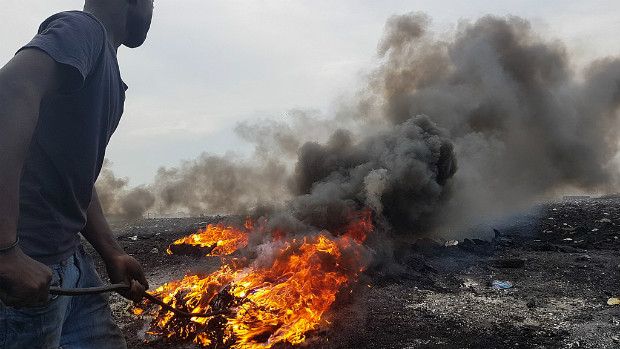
[{"x": 208, "y": 64}]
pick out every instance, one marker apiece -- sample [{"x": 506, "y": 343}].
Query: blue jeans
[{"x": 66, "y": 322}]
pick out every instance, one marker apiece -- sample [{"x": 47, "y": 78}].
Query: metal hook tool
[{"x": 120, "y": 287}]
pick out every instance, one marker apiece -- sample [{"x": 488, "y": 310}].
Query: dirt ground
[{"x": 561, "y": 261}]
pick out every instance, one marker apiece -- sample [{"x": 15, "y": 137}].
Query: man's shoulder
[
  {"x": 73, "y": 38},
  {"x": 73, "y": 19}
]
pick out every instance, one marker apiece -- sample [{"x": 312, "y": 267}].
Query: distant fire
[
  {"x": 269, "y": 304},
  {"x": 222, "y": 239}
]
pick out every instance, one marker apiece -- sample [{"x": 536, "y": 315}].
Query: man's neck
[{"x": 113, "y": 23}]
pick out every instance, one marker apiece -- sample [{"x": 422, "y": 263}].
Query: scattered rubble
[
  {"x": 501, "y": 285},
  {"x": 613, "y": 301}
]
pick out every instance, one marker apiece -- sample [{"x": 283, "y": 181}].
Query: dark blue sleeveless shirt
[{"x": 69, "y": 142}]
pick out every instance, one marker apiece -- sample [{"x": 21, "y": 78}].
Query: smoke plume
[
  {"x": 117, "y": 199},
  {"x": 503, "y": 101},
  {"x": 399, "y": 172},
  {"x": 525, "y": 125}
]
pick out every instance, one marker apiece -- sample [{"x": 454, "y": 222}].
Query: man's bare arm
[
  {"x": 25, "y": 81},
  {"x": 120, "y": 266}
]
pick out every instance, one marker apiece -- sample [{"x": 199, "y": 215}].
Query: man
[{"x": 61, "y": 97}]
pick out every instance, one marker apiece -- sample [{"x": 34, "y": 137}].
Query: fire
[
  {"x": 289, "y": 299},
  {"x": 278, "y": 298},
  {"x": 221, "y": 239}
]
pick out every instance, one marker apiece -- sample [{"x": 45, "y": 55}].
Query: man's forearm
[
  {"x": 98, "y": 232},
  {"x": 121, "y": 267}
]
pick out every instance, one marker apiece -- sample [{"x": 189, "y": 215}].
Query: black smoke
[
  {"x": 399, "y": 172},
  {"x": 525, "y": 124},
  {"x": 505, "y": 102}
]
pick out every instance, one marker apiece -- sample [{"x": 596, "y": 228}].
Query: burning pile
[
  {"x": 352, "y": 197},
  {"x": 266, "y": 304}
]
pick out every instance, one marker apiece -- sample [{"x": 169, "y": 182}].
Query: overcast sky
[{"x": 208, "y": 64}]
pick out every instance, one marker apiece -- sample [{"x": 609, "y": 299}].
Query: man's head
[
  {"x": 139, "y": 15},
  {"x": 128, "y": 21}
]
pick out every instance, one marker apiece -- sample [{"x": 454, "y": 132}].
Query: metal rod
[{"x": 120, "y": 287}]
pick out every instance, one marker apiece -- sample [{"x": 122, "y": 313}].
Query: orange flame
[
  {"x": 278, "y": 298},
  {"x": 223, "y": 239},
  {"x": 289, "y": 299}
]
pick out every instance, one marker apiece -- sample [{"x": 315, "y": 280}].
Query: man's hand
[
  {"x": 24, "y": 282},
  {"x": 125, "y": 269}
]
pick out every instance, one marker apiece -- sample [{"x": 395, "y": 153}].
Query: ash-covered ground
[{"x": 562, "y": 260}]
